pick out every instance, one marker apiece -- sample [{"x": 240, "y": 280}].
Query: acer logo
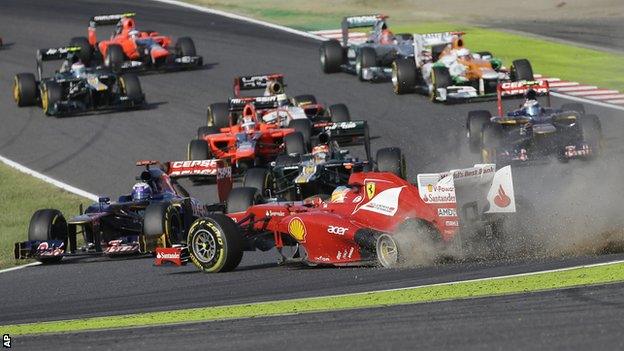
[{"x": 337, "y": 230}]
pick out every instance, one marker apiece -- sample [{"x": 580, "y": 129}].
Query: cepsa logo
[
  {"x": 196, "y": 167},
  {"x": 517, "y": 88}
]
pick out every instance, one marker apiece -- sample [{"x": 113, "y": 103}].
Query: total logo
[{"x": 332, "y": 229}]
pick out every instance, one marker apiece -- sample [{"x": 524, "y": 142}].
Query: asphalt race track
[{"x": 97, "y": 153}]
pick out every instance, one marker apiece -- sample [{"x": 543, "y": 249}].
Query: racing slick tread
[
  {"x": 25, "y": 89},
  {"x": 228, "y": 238},
  {"x": 332, "y": 56}
]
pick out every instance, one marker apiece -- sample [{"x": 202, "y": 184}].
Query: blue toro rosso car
[
  {"x": 533, "y": 132},
  {"x": 157, "y": 213}
]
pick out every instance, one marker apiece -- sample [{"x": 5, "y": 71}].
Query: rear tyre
[
  {"x": 51, "y": 93},
  {"x": 204, "y": 131},
  {"x": 491, "y": 136},
  {"x": 240, "y": 199},
  {"x": 440, "y": 78},
  {"x": 574, "y": 106},
  {"x": 114, "y": 57},
  {"x": 218, "y": 115},
  {"x": 476, "y": 121},
  {"x": 86, "y": 50},
  {"x": 592, "y": 133},
  {"x": 259, "y": 178},
  {"x": 367, "y": 57},
  {"x": 403, "y": 75},
  {"x": 391, "y": 159},
  {"x": 185, "y": 47},
  {"x": 295, "y": 144},
  {"x": 163, "y": 220},
  {"x": 521, "y": 70},
  {"x": 331, "y": 56},
  {"x": 215, "y": 244},
  {"x": 307, "y": 99},
  {"x": 387, "y": 251},
  {"x": 131, "y": 87},
  {"x": 47, "y": 224},
  {"x": 339, "y": 113},
  {"x": 198, "y": 150},
  {"x": 25, "y": 89},
  {"x": 304, "y": 127}
]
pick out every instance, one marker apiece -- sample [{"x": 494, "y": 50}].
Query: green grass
[
  {"x": 547, "y": 57},
  {"x": 20, "y": 196},
  {"x": 609, "y": 273}
]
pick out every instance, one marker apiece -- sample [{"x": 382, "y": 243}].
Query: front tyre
[
  {"x": 215, "y": 244},
  {"x": 25, "y": 89}
]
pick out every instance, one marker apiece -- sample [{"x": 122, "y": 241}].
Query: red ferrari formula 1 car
[
  {"x": 131, "y": 49},
  {"x": 375, "y": 220}
]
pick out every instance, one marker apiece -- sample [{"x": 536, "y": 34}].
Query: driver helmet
[
  {"x": 320, "y": 153},
  {"x": 78, "y": 69},
  {"x": 531, "y": 108},
  {"x": 339, "y": 194},
  {"x": 141, "y": 191},
  {"x": 248, "y": 124},
  {"x": 134, "y": 34},
  {"x": 282, "y": 100},
  {"x": 270, "y": 117},
  {"x": 463, "y": 54}
]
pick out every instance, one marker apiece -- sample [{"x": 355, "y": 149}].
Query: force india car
[
  {"x": 131, "y": 49},
  {"x": 300, "y": 176},
  {"x": 275, "y": 107},
  {"x": 442, "y": 67},
  {"x": 360, "y": 224},
  {"x": 128, "y": 226},
  {"x": 370, "y": 60},
  {"x": 71, "y": 90},
  {"x": 533, "y": 132}
]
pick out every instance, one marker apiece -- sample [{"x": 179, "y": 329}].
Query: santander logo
[{"x": 501, "y": 199}]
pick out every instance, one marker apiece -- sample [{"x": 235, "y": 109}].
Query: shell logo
[{"x": 297, "y": 229}]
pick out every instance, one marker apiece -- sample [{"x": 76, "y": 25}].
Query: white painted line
[
  {"x": 563, "y": 84},
  {"x": 45, "y": 178},
  {"x": 606, "y": 97},
  {"x": 621, "y": 101},
  {"x": 551, "y": 79},
  {"x": 19, "y": 267},
  {"x": 587, "y": 101},
  {"x": 538, "y": 76},
  {"x": 327, "y": 31},
  {"x": 577, "y": 88},
  {"x": 592, "y": 92}
]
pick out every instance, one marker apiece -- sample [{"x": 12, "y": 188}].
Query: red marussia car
[
  {"x": 130, "y": 49},
  {"x": 360, "y": 223}
]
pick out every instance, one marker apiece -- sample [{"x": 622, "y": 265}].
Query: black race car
[
  {"x": 158, "y": 213},
  {"x": 533, "y": 132},
  {"x": 296, "y": 176},
  {"x": 75, "y": 88}
]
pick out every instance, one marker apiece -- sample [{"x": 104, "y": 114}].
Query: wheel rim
[
  {"x": 107, "y": 60},
  {"x": 16, "y": 93},
  {"x": 358, "y": 66},
  {"x": 204, "y": 246},
  {"x": 387, "y": 251},
  {"x": 323, "y": 58},
  {"x": 395, "y": 78},
  {"x": 44, "y": 100}
]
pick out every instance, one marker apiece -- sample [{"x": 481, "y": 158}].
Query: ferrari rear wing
[
  {"x": 109, "y": 20},
  {"x": 538, "y": 87},
  {"x": 258, "y": 81},
  {"x": 468, "y": 193}
]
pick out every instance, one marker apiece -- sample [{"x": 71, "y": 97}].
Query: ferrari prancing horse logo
[{"x": 370, "y": 190}]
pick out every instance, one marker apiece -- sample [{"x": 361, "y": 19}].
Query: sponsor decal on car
[
  {"x": 271, "y": 213},
  {"x": 447, "y": 212},
  {"x": 345, "y": 254},
  {"x": 370, "y": 189},
  {"x": 297, "y": 229},
  {"x": 332, "y": 229},
  {"x": 452, "y": 223},
  {"x": 385, "y": 203}
]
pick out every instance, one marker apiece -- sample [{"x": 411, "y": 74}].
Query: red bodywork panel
[{"x": 377, "y": 201}]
